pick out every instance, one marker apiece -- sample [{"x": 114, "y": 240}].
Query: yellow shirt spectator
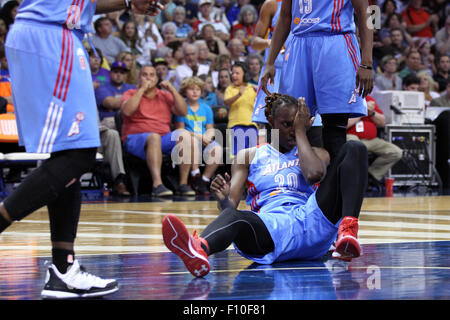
[{"x": 241, "y": 110}]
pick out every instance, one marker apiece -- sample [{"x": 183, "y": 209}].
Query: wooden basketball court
[{"x": 405, "y": 242}]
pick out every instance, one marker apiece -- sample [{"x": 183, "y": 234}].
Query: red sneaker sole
[
  {"x": 348, "y": 247},
  {"x": 177, "y": 239}
]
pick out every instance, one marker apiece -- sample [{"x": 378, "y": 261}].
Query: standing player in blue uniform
[
  {"x": 323, "y": 61},
  {"x": 56, "y": 113},
  {"x": 265, "y": 26},
  {"x": 289, "y": 217}
]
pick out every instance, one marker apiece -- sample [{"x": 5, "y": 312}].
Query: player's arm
[
  {"x": 364, "y": 76},
  {"x": 137, "y": 6},
  {"x": 268, "y": 9},
  {"x": 282, "y": 29},
  {"x": 228, "y": 190},
  {"x": 313, "y": 161}
]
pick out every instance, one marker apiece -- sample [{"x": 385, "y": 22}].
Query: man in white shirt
[{"x": 191, "y": 67}]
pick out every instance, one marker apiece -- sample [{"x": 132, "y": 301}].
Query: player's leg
[
  {"x": 341, "y": 198},
  {"x": 245, "y": 229},
  {"x": 335, "y": 86}
]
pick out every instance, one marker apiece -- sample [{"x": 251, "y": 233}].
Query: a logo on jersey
[
  {"x": 258, "y": 108},
  {"x": 275, "y": 167},
  {"x": 75, "y": 128},
  {"x": 306, "y": 21},
  {"x": 353, "y": 98},
  {"x": 82, "y": 58},
  {"x": 73, "y": 17}
]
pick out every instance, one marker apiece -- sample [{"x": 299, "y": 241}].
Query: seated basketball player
[{"x": 290, "y": 218}]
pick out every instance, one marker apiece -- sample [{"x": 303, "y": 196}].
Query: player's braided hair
[{"x": 275, "y": 100}]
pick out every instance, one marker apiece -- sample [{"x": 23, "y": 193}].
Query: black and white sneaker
[{"x": 76, "y": 283}]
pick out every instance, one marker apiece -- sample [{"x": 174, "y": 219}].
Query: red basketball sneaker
[
  {"x": 347, "y": 244},
  {"x": 178, "y": 240}
]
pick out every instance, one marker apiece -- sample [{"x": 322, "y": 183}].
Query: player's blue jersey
[
  {"x": 75, "y": 14},
  {"x": 275, "y": 180},
  {"x": 330, "y": 16}
]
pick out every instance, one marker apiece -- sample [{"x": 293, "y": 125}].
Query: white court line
[
  {"x": 87, "y": 235},
  {"x": 404, "y": 225},
  {"x": 406, "y": 215},
  {"x": 404, "y": 234},
  {"x": 114, "y": 224},
  {"x": 190, "y": 215}
]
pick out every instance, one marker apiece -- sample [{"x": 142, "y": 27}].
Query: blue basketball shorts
[
  {"x": 322, "y": 68},
  {"x": 135, "y": 143},
  {"x": 52, "y": 88}
]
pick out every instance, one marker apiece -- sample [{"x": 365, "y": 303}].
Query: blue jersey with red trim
[
  {"x": 75, "y": 14},
  {"x": 276, "y": 180},
  {"x": 331, "y": 16}
]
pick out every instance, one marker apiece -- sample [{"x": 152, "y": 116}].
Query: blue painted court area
[{"x": 414, "y": 270}]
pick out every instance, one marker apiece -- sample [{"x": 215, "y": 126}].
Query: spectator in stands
[
  {"x": 111, "y": 149},
  {"x": 365, "y": 129},
  {"x": 177, "y": 55},
  {"x": 184, "y": 30},
  {"x": 247, "y": 18},
  {"x": 204, "y": 56},
  {"x": 443, "y": 100},
  {"x": 130, "y": 36},
  {"x": 240, "y": 97},
  {"x": 191, "y": 67},
  {"x": 206, "y": 16},
  {"x": 395, "y": 21},
  {"x": 413, "y": 64},
  {"x": 411, "y": 82},
  {"x": 109, "y": 95},
  {"x": 255, "y": 63},
  {"x": 427, "y": 86},
  {"x": 388, "y": 80},
  {"x": 443, "y": 39},
  {"x": 165, "y": 15},
  {"x": 168, "y": 31},
  {"x": 423, "y": 45},
  {"x": 103, "y": 39},
  {"x": 150, "y": 38},
  {"x": 214, "y": 43},
  {"x": 116, "y": 22},
  {"x": 200, "y": 123},
  {"x": 3, "y": 31},
  {"x": 223, "y": 61},
  {"x": 441, "y": 75},
  {"x": 147, "y": 116},
  {"x": 420, "y": 22},
  {"x": 191, "y": 10},
  {"x": 223, "y": 83},
  {"x": 130, "y": 62},
  {"x": 208, "y": 92},
  {"x": 4, "y": 68},
  {"x": 389, "y": 7},
  {"x": 100, "y": 76},
  {"x": 162, "y": 70},
  {"x": 397, "y": 47},
  {"x": 237, "y": 50},
  {"x": 234, "y": 10},
  {"x": 8, "y": 12}
]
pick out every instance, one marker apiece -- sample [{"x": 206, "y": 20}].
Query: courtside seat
[{"x": 26, "y": 160}]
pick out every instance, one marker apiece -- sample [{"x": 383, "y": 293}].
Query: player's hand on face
[
  {"x": 148, "y": 7},
  {"x": 364, "y": 81},
  {"x": 303, "y": 120},
  {"x": 267, "y": 78},
  {"x": 221, "y": 186}
]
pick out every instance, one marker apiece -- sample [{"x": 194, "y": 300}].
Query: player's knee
[{"x": 355, "y": 148}]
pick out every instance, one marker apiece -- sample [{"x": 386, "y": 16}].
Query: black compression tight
[
  {"x": 341, "y": 193},
  {"x": 244, "y": 228},
  {"x": 55, "y": 184},
  {"x": 334, "y": 132}
]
